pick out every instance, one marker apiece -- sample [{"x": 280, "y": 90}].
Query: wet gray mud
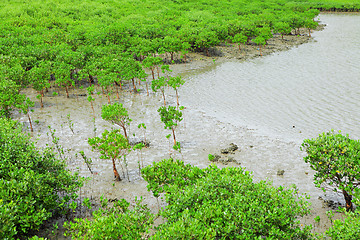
[{"x": 227, "y": 101}]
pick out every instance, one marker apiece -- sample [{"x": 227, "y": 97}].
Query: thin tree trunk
[
  {"x": 158, "y": 71},
  {"x": 144, "y": 138},
  {"x": 134, "y": 86},
  {"x": 116, "y": 174},
  {"x": 153, "y": 73},
  {"x": 41, "y": 101},
  {"x": 67, "y": 91},
  {"x": 348, "y": 199},
  {"x": 126, "y": 166},
  {"x": 107, "y": 94},
  {"x": 117, "y": 92},
  {"x": 31, "y": 127},
  {"x": 123, "y": 127},
  {"x": 177, "y": 97},
  {"x": 173, "y": 131},
  {"x": 92, "y": 106},
  {"x": 163, "y": 93},
  {"x": 91, "y": 79},
  {"x": 141, "y": 159}
]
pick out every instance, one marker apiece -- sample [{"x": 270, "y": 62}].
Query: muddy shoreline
[
  {"x": 199, "y": 134},
  {"x": 230, "y": 51}
]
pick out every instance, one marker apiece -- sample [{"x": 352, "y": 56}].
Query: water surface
[{"x": 294, "y": 94}]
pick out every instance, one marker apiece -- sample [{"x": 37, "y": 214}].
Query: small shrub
[
  {"x": 335, "y": 158},
  {"x": 215, "y": 203},
  {"x": 113, "y": 222}
]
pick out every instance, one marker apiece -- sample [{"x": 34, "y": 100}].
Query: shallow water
[
  {"x": 293, "y": 94},
  {"x": 266, "y": 106}
]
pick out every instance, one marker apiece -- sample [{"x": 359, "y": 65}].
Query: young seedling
[
  {"x": 175, "y": 83},
  {"x": 240, "y": 38},
  {"x": 55, "y": 141},
  {"x": 177, "y": 147},
  {"x": 143, "y": 126},
  {"x": 63, "y": 76},
  {"x": 260, "y": 41},
  {"x": 151, "y": 63},
  {"x": 87, "y": 161},
  {"x": 126, "y": 167},
  {"x": 39, "y": 76},
  {"x": 71, "y": 124},
  {"x": 143, "y": 77},
  {"x": 112, "y": 145},
  {"x": 25, "y": 108},
  {"x": 106, "y": 82},
  {"x": 116, "y": 114},
  {"x": 185, "y": 49},
  {"x": 160, "y": 84},
  {"x": 139, "y": 147},
  {"x": 171, "y": 117},
  {"x": 165, "y": 69},
  {"x": 90, "y": 91}
]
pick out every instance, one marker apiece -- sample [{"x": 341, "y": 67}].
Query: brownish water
[{"x": 266, "y": 106}]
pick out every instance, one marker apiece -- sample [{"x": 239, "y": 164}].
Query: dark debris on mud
[{"x": 223, "y": 157}]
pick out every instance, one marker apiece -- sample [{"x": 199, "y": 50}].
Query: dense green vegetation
[
  {"x": 34, "y": 184},
  {"x": 113, "y": 221},
  {"x": 106, "y": 41},
  {"x": 208, "y": 203},
  {"x": 335, "y": 5},
  {"x": 76, "y": 40}
]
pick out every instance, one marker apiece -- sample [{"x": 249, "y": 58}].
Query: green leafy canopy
[
  {"x": 30, "y": 183},
  {"x": 215, "y": 203}
]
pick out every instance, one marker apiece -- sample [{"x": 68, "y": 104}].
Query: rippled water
[{"x": 293, "y": 94}]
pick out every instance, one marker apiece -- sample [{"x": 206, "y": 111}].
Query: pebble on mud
[
  {"x": 233, "y": 147},
  {"x": 225, "y": 160}
]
